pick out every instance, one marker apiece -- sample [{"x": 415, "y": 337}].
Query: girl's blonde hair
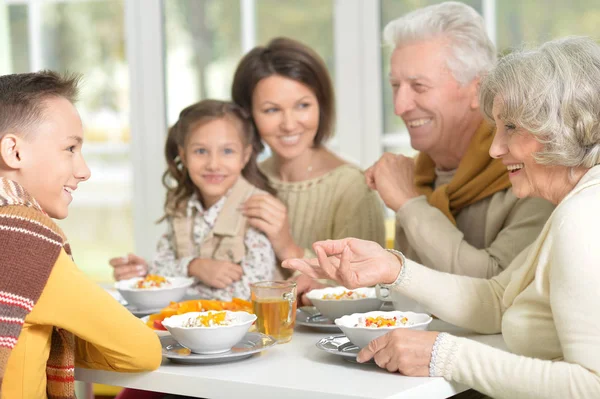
[{"x": 176, "y": 178}]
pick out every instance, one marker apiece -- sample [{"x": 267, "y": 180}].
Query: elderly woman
[{"x": 546, "y": 107}]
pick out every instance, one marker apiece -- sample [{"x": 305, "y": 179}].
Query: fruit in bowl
[
  {"x": 153, "y": 291},
  {"x": 209, "y": 332},
  {"x": 154, "y": 321},
  {"x": 334, "y": 302},
  {"x": 362, "y": 328}
]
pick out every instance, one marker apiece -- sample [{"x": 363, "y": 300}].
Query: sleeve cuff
[
  {"x": 443, "y": 355},
  {"x": 409, "y": 208},
  {"x": 405, "y": 276},
  {"x": 183, "y": 265}
]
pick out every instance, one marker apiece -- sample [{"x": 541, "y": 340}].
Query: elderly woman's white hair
[
  {"x": 552, "y": 92},
  {"x": 472, "y": 53}
]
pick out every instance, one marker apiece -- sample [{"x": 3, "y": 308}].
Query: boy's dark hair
[
  {"x": 189, "y": 119},
  {"x": 293, "y": 60},
  {"x": 22, "y": 97}
]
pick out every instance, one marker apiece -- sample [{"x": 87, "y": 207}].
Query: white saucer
[
  {"x": 142, "y": 312},
  {"x": 340, "y": 345},
  {"x": 309, "y": 316},
  {"x": 160, "y": 333},
  {"x": 253, "y": 342}
]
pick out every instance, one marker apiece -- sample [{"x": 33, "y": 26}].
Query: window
[
  {"x": 205, "y": 40},
  {"x": 15, "y": 36},
  {"x": 553, "y": 19},
  {"x": 88, "y": 38},
  {"x": 202, "y": 39},
  {"x": 198, "y": 50},
  {"x": 309, "y": 21}
]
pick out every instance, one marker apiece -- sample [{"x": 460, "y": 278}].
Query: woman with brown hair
[{"x": 286, "y": 88}]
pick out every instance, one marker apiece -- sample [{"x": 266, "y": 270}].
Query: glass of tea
[{"x": 274, "y": 304}]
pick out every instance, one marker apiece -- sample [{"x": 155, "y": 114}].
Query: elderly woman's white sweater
[{"x": 546, "y": 304}]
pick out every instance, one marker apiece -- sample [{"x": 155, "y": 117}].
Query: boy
[{"x": 52, "y": 317}]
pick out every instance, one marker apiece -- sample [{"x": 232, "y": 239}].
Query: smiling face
[
  {"x": 214, "y": 156},
  {"x": 286, "y": 114},
  {"x": 48, "y": 161},
  {"x": 434, "y": 106},
  {"x": 516, "y": 147}
]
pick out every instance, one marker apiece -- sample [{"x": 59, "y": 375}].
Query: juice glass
[{"x": 274, "y": 304}]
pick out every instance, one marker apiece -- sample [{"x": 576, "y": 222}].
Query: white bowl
[
  {"x": 209, "y": 340},
  {"x": 334, "y": 308},
  {"x": 399, "y": 301},
  {"x": 361, "y": 336},
  {"x": 153, "y": 298}
]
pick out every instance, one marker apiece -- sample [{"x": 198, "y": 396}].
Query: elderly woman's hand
[
  {"x": 351, "y": 262},
  {"x": 393, "y": 177},
  {"x": 403, "y": 350},
  {"x": 269, "y": 215}
]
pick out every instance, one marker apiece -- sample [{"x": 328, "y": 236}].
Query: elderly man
[{"x": 454, "y": 208}]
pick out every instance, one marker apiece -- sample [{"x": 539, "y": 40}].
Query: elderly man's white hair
[{"x": 471, "y": 53}]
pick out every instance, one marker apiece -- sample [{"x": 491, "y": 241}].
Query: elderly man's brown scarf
[{"x": 478, "y": 176}]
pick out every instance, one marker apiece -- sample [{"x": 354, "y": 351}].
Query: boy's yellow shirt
[{"x": 113, "y": 340}]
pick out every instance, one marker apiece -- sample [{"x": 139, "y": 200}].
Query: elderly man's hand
[
  {"x": 351, "y": 262},
  {"x": 402, "y": 350},
  {"x": 393, "y": 177}
]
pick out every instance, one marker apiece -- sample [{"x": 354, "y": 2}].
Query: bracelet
[{"x": 402, "y": 273}]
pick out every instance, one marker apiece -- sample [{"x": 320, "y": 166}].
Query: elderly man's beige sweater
[{"x": 486, "y": 238}]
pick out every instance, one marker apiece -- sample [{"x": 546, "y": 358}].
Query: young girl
[{"x": 212, "y": 170}]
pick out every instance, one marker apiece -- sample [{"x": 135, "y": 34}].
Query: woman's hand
[
  {"x": 403, "y": 350},
  {"x": 351, "y": 262},
  {"x": 393, "y": 177},
  {"x": 128, "y": 266},
  {"x": 215, "y": 273},
  {"x": 304, "y": 285},
  {"x": 269, "y": 215}
]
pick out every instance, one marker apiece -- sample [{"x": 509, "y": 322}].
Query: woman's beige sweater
[
  {"x": 545, "y": 304},
  {"x": 336, "y": 205}
]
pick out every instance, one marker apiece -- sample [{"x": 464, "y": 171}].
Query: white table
[{"x": 297, "y": 369}]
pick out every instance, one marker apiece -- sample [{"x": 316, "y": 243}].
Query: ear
[
  {"x": 247, "y": 154},
  {"x": 473, "y": 88},
  {"x": 10, "y": 145}
]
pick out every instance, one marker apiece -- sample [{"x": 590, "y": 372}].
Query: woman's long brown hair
[{"x": 176, "y": 178}]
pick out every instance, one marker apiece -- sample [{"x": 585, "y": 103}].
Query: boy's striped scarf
[{"x": 30, "y": 244}]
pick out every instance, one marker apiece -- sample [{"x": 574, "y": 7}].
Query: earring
[{"x": 178, "y": 163}]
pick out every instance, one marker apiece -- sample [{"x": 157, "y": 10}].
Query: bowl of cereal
[
  {"x": 362, "y": 328},
  {"x": 334, "y": 302},
  {"x": 209, "y": 332},
  {"x": 153, "y": 291}
]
